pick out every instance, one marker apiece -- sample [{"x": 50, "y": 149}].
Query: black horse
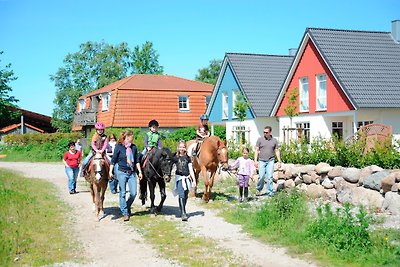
[{"x": 157, "y": 169}]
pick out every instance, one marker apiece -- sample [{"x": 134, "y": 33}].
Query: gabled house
[
  {"x": 259, "y": 78},
  {"x": 135, "y": 100},
  {"x": 346, "y": 79}
]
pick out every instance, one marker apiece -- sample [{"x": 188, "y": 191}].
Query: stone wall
[{"x": 372, "y": 186}]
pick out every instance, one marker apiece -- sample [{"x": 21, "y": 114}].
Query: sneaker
[
  {"x": 126, "y": 218},
  {"x": 71, "y": 192},
  {"x": 258, "y": 193},
  {"x": 240, "y": 199}
]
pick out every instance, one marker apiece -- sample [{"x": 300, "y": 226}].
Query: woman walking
[
  {"x": 126, "y": 156},
  {"x": 72, "y": 160}
]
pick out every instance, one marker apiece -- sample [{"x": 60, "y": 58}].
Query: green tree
[
  {"x": 210, "y": 73},
  {"x": 145, "y": 60},
  {"x": 6, "y": 100},
  {"x": 291, "y": 107},
  {"x": 240, "y": 111},
  {"x": 96, "y": 65}
]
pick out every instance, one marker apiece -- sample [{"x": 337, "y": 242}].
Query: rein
[{"x": 154, "y": 169}]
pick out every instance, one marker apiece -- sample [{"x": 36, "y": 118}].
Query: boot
[
  {"x": 182, "y": 206},
  {"x": 246, "y": 194},
  {"x": 240, "y": 194}
]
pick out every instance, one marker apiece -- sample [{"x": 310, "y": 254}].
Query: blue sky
[{"x": 37, "y": 35}]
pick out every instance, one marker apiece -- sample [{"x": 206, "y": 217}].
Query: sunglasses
[{"x": 266, "y": 132}]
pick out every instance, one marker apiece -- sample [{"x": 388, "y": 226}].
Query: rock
[
  {"x": 374, "y": 181},
  {"x": 281, "y": 175},
  {"x": 302, "y": 187},
  {"x": 275, "y": 177},
  {"x": 367, "y": 171},
  {"x": 289, "y": 184},
  {"x": 351, "y": 175},
  {"x": 336, "y": 172},
  {"x": 316, "y": 191},
  {"x": 395, "y": 188},
  {"x": 343, "y": 189},
  {"x": 314, "y": 176},
  {"x": 296, "y": 171},
  {"x": 286, "y": 166},
  {"x": 297, "y": 180},
  {"x": 288, "y": 174},
  {"x": 392, "y": 203},
  {"x": 331, "y": 194},
  {"x": 337, "y": 180},
  {"x": 375, "y": 169},
  {"x": 280, "y": 185},
  {"x": 327, "y": 184},
  {"x": 323, "y": 167},
  {"x": 307, "y": 168},
  {"x": 307, "y": 179},
  {"x": 388, "y": 182},
  {"x": 397, "y": 175},
  {"x": 366, "y": 197}
]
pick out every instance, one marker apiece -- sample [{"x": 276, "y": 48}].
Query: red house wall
[{"x": 310, "y": 65}]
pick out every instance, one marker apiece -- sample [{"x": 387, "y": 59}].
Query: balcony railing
[{"x": 85, "y": 117}]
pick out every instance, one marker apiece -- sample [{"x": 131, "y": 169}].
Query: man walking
[{"x": 264, "y": 157}]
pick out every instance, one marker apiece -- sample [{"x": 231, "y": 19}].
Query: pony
[
  {"x": 98, "y": 179},
  {"x": 157, "y": 170},
  {"x": 212, "y": 154}
]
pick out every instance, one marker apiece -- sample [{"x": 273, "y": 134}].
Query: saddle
[
  {"x": 90, "y": 165},
  {"x": 146, "y": 157}
]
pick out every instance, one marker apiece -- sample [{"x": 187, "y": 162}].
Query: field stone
[
  {"x": 302, "y": 187},
  {"x": 316, "y": 191},
  {"x": 367, "y": 171},
  {"x": 331, "y": 194},
  {"x": 280, "y": 185},
  {"x": 337, "y": 171},
  {"x": 275, "y": 177},
  {"x": 281, "y": 175},
  {"x": 298, "y": 180},
  {"x": 388, "y": 182},
  {"x": 289, "y": 184},
  {"x": 351, "y": 175},
  {"x": 307, "y": 179},
  {"x": 366, "y": 197},
  {"x": 288, "y": 174},
  {"x": 327, "y": 184},
  {"x": 323, "y": 167},
  {"x": 397, "y": 175},
  {"x": 307, "y": 168},
  {"x": 395, "y": 188},
  {"x": 392, "y": 203},
  {"x": 374, "y": 181}
]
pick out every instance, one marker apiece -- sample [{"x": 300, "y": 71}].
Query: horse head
[
  {"x": 166, "y": 164},
  {"x": 99, "y": 166},
  {"x": 222, "y": 154}
]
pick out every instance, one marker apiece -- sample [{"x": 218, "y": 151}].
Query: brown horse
[
  {"x": 212, "y": 154},
  {"x": 98, "y": 179}
]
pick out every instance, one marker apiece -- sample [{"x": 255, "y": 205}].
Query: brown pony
[
  {"x": 213, "y": 153},
  {"x": 98, "y": 179}
]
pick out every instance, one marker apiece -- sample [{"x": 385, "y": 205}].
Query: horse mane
[{"x": 217, "y": 141}]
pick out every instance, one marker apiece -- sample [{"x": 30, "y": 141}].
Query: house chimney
[
  {"x": 292, "y": 51},
  {"x": 396, "y": 30}
]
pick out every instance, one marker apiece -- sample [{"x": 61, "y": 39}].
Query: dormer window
[
  {"x": 106, "y": 99},
  {"x": 82, "y": 104}
]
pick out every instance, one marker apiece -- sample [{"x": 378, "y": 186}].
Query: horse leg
[
  {"x": 211, "y": 183},
  {"x": 152, "y": 186},
  {"x": 103, "y": 188},
  {"x": 205, "y": 179},
  {"x": 143, "y": 190},
  {"x": 96, "y": 200},
  {"x": 92, "y": 194},
  {"x": 161, "y": 184}
]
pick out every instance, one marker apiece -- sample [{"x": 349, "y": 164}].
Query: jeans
[
  {"x": 265, "y": 172},
  {"x": 131, "y": 180},
  {"x": 72, "y": 174},
  {"x": 114, "y": 182}
]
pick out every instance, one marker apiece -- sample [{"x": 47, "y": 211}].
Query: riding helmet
[
  {"x": 204, "y": 117},
  {"x": 99, "y": 126},
  {"x": 153, "y": 123}
]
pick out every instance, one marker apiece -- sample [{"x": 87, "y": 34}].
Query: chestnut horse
[
  {"x": 98, "y": 179},
  {"x": 213, "y": 153}
]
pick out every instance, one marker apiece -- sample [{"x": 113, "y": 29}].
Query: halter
[
  {"x": 154, "y": 169},
  {"x": 222, "y": 162}
]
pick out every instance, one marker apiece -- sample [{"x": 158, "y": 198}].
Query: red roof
[{"x": 14, "y": 126}]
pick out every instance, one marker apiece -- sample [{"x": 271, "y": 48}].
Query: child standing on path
[{"x": 245, "y": 170}]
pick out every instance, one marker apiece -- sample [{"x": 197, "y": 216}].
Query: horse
[
  {"x": 98, "y": 179},
  {"x": 157, "y": 169},
  {"x": 213, "y": 153}
]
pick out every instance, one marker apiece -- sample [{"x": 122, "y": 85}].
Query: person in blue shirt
[{"x": 127, "y": 157}]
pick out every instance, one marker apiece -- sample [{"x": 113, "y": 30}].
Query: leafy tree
[
  {"x": 96, "y": 65},
  {"x": 6, "y": 101},
  {"x": 240, "y": 111},
  {"x": 145, "y": 60},
  {"x": 291, "y": 107},
  {"x": 210, "y": 73}
]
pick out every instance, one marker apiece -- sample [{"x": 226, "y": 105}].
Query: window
[
  {"x": 105, "y": 101},
  {"x": 208, "y": 98},
  {"x": 239, "y": 131},
  {"x": 82, "y": 104},
  {"x": 303, "y": 131},
  {"x": 224, "y": 105},
  {"x": 363, "y": 123},
  {"x": 304, "y": 94},
  {"x": 337, "y": 129},
  {"x": 234, "y": 100},
  {"x": 183, "y": 103},
  {"x": 321, "y": 92}
]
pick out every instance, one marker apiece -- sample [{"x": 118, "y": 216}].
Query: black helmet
[{"x": 153, "y": 123}]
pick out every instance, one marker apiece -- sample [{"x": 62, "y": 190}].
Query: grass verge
[{"x": 33, "y": 229}]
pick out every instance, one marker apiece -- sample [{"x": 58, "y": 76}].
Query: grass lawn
[{"x": 33, "y": 228}]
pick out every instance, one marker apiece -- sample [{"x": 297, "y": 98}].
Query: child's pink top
[{"x": 246, "y": 166}]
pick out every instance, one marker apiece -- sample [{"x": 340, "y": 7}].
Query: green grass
[
  {"x": 176, "y": 243},
  {"x": 31, "y": 153},
  {"x": 33, "y": 228}
]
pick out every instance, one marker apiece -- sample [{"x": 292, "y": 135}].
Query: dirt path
[{"x": 113, "y": 243}]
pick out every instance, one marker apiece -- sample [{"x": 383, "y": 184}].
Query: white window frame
[
  {"x": 105, "y": 101},
  {"x": 82, "y": 104},
  {"x": 337, "y": 125},
  {"x": 225, "y": 108},
  {"x": 304, "y": 98},
  {"x": 320, "y": 98},
  {"x": 184, "y": 99},
  {"x": 235, "y": 94},
  {"x": 235, "y": 133}
]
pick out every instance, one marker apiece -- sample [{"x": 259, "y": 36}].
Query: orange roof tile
[{"x": 14, "y": 126}]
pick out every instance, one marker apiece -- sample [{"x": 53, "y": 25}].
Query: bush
[{"x": 39, "y": 138}]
